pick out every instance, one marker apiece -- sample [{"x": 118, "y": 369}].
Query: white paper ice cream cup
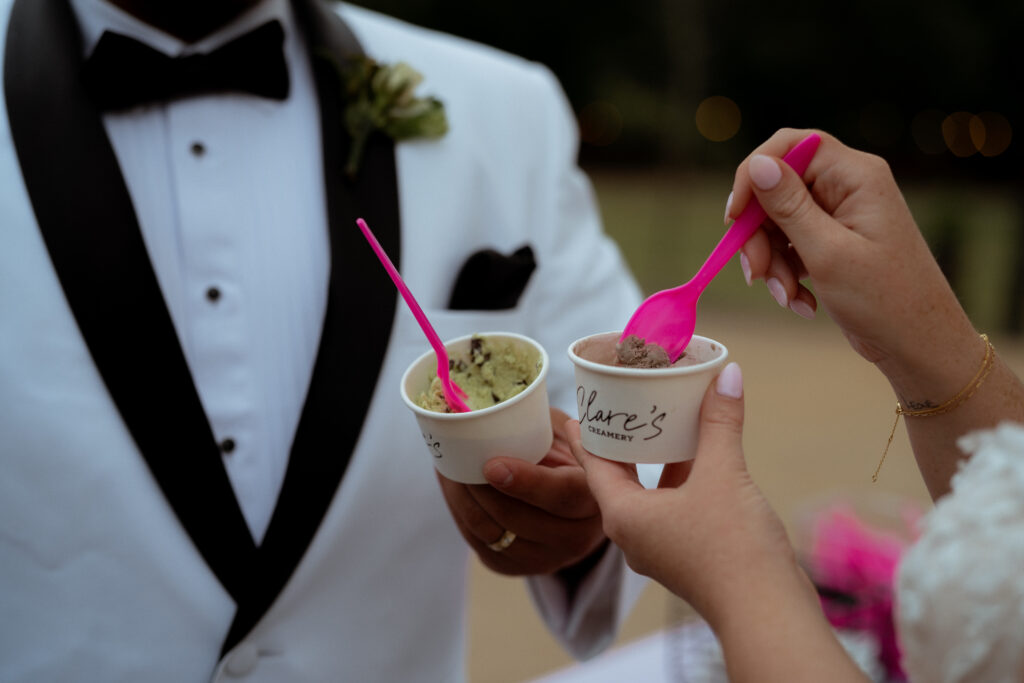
[
  {"x": 643, "y": 415},
  {"x": 460, "y": 443}
]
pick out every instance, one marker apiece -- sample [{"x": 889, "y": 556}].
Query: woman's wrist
[
  {"x": 779, "y": 585},
  {"x": 757, "y": 641},
  {"x": 939, "y": 366}
]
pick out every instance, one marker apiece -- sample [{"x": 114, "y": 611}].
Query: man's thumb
[{"x": 721, "y": 417}]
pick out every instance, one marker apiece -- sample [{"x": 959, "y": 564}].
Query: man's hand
[{"x": 548, "y": 506}]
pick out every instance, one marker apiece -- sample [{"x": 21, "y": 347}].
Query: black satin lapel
[
  {"x": 360, "y": 306},
  {"x": 92, "y": 234}
]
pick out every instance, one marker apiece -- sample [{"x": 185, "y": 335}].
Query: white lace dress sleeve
[{"x": 960, "y": 587}]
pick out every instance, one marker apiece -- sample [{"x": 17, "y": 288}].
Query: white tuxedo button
[{"x": 242, "y": 660}]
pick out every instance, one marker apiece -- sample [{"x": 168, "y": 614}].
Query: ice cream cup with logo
[
  {"x": 642, "y": 415},
  {"x": 518, "y": 427}
]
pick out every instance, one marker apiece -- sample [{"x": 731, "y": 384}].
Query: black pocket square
[{"x": 491, "y": 281}]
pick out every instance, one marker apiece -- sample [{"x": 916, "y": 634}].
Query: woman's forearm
[
  {"x": 934, "y": 379},
  {"x": 777, "y": 632}
]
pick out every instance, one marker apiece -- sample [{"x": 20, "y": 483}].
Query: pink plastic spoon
[
  {"x": 668, "y": 318},
  {"x": 453, "y": 395}
]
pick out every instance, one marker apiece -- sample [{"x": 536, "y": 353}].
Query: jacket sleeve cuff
[{"x": 585, "y": 618}]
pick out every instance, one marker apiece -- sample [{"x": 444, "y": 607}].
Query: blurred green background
[{"x": 671, "y": 94}]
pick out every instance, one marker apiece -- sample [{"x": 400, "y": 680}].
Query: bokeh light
[
  {"x": 962, "y": 133},
  {"x": 600, "y": 123},
  {"x": 718, "y": 118},
  {"x": 956, "y": 131},
  {"x": 991, "y": 133}
]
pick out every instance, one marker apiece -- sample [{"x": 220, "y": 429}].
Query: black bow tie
[{"x": 122, "y": 72}]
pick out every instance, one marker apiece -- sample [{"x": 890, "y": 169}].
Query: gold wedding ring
[{"x": 503, "y": 542}]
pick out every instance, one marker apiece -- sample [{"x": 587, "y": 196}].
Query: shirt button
[
  {"x": 213, "y": 294},
  {"x": 242, "y": 660},
  {"x": 198, "y": 149},
  {"x": 227, "y": 446}
]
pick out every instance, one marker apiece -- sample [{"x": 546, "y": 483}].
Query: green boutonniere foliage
[{"x": 380, "y": 97}]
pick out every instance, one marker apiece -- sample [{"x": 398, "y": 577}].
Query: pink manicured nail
[
  {"x": 778, "y": 291},
  {"x": 730, "y": 381},
  {"x": 745, "y": 267},
  {"x": 764, "y": 172},
  {"x": 728, "y": 205},
  {"x": 802, "y": 309}
]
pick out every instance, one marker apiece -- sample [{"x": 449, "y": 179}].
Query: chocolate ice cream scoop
[{"x": 635, "y": 353}]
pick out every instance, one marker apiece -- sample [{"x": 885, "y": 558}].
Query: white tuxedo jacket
[{"x": 123, "y": 553}]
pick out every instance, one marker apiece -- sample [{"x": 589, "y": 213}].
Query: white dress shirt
[{"x": 229, "y": 193}]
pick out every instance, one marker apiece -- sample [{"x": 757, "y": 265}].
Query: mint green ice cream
[{"x": 494, "y": 371}]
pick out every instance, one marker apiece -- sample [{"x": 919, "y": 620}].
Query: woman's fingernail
[
  {"x": 764, "y": 172},
  {"x": 802, "y": 308},
  {"x": 730, "y": 381},
  {"x": 778, "y": 291},
  {"x": 728, "y": 205},
  {"x": 745, "y": 267}
]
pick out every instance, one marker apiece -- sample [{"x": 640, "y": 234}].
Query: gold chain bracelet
[{"x": 959, "y": 399}]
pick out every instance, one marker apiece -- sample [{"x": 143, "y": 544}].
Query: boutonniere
[{"x": 380, "y": 98}]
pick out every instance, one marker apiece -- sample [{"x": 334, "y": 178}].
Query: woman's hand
[
  {"x": 709, "y": 536},
  {"x": 847, "y": 228},
  {"x": 706, "y": 533}
]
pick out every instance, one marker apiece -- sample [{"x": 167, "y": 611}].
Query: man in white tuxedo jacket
[{"x": 207, "y": 469}]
